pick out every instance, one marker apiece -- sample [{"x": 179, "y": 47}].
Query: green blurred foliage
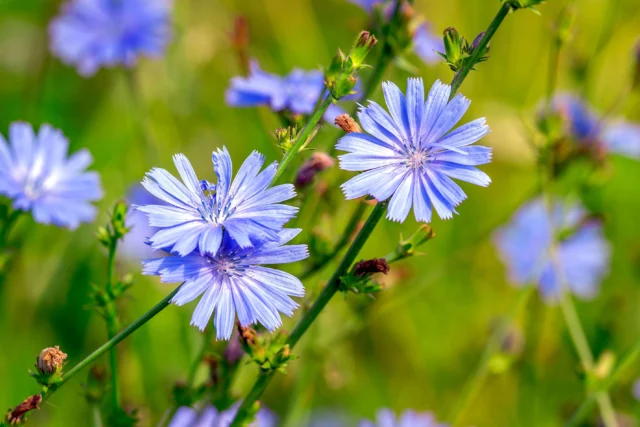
[{"x": 416, "y": 344}]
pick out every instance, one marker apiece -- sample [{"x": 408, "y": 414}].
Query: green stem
[
  {"x": 310, "y": 316},
  {"x": 584, "y": 353},
  {"x": 355, "y": 219},
  {"x": 113, "y": 341},
  {"x": 474, "y": 383},
  {"x": 477, "y": 52},
  {"x": 6, "y": 227},
  {"x": 111, "y": 316},
  {"x": 206, "y": 339},
  {"x": 303, "y": 136}
]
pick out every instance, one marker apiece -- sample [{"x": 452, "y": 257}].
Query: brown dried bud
[
  {"x": 347, "y": 123},
  {"x": 316, "y": 164},
  {"x": 247, "y": 335},
  {"x": 15, "y": 416},
  {"x": 376, "y": 265},
  {"x": 51, "y": 360}
]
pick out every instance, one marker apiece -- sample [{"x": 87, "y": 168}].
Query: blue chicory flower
[
  {"x": 197, "y": 211},
  {"x": 37, "y": 175},
  {"x": 211, "y": 417},
  {"x": 297, "y": 92},
  {"x": 234, "y": 280},
  {"x": 90, "y": 34},
  {"x": 590, "y": 130},
  {"x": 412, "y": 154},
  {"x": 582, "y": 254},
  {"x": 409, "y": 418},
  {"x": 426, "y": 44}
]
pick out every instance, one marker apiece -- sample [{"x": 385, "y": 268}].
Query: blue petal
[
  {"x": 476, "y": 155},
  {"x": 415, "y": 106},
  {"x": 225, "y": 314},
  {"x": 448, "y": 118},
  {"x": 462, "y": 172},
  {"x": 466, "y": 134},
  {"x": 212, "y": 298},
  {"x": 434, "y": 106},
  {"x": 223, "y": 169},
  {"x": 397, "y": 107},
  {"x": 400, "y": 203}
]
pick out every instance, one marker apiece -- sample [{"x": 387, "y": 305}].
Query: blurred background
[{"x": 413, "y": 346}]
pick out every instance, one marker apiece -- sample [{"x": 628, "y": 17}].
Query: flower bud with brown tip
[
  {"x": 347, "y": 123},
  {"x": 16, "y": 416}
]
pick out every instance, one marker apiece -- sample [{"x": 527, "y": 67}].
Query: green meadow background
[{"x": 413, "y": 346}]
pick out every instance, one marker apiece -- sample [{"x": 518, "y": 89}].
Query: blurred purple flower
[
  {"x": 409, "y": 418},
  {"x": 196, "y": 212},
  {"x": 37, "y": 175},
  {"x": 91, "y": 34},
  {"x": 368, "y": 5},
  {"x": 134, "y": 245},
  {"x": 590, "y": 130},
  {"x": 412, "y": 154},
  {"x": 211, "y": 417},
  {"x": 297, "y": 92},
  {"x": 427, "y": 44},
  {"x": 234, "y": 280},
  {"x": 636, "y": 389},
  {"x": 583, "y": 254}
]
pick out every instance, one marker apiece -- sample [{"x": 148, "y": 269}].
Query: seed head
[{"x": 51, "y": 360}]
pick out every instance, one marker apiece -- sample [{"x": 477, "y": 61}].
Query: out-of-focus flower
[
  {"x": 367, "y": 5},
  {"x": 297, "y": 92},
  {"x": 636, "y": 389},
  {"x": 197, "y": 211},
  {"x": 134, "y": 245},
  {"x": 211, "y": 417},
  {"x": 37, "y": 175},
  {"x": 91, "y": 34},
  {"x": 426, "y": 44},
  {"x": 317, "y": 163},
  {"x": 581, "y": 256},
  {"x": 590, "y": 131},
  {"x": 411, "y": 155},
  {"x": 409, "y": 418},
  {"x": 235, "y": 280}
]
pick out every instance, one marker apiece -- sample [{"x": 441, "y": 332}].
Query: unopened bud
[
  {"x": 347, "y": 123},
  {"x": 16, "y": 416},
  {"x": 476, "y": 41},
  {"x": 247, "y": 335},
  {"x": 363, "y": 45},
  {"x": 376, "y": 265},
  {"x": 453, "y": 48},
  {"x": 316, "y": 164},
  {"x": 51, "y": 360}
]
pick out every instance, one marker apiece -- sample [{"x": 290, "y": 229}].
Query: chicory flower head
[
  {"x": 37, "y": 175},
  {"x": 582, "y": 253},
  {"x": 590, "y": 130},
  {"x": 91, "y": 34},
  {"x": 197, "y": 211},
  {"x": 409, "y": 418},
  {"x": 234, "y": 280},
  {"x": 211, "y": 417},
  {"x": 411, "y": 154}
]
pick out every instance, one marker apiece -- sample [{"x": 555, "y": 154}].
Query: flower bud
[
  {"x": 316, "y": 164},
  {"x": 453, "y": 48},
  {"x": 51, "y": 360},
  {"x": 363, "y": 45},
  {"x": 16, "y": 415},
  {"x": 347, "y": 123}
]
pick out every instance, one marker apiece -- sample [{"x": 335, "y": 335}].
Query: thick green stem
[
  {"x": 310, "y": 316},
  {"x": 302, "y": 137},
  {"x": 477, "y": 52},
  {"x": 114, "y": 341}
]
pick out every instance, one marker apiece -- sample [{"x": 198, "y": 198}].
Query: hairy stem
[{"x": 310, "y": 316}]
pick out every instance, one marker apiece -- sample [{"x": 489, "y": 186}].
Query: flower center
[
  {"x": 228, "y": 264},
  {"x": 418, "y": 158}
]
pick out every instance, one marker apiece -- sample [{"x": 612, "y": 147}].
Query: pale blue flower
[
  {"x": 211, "y": 417},
  {"x": 90, "y": 34},
  {"x": 297, "y": 92},
  {"x": 197, "y": 211},
  {"x": 37, "y": 175},
  {"x": 409, "y": 418},
  {"x": 234, "y": 280},
  {"x": 590, "y": 130},
  {"x": 411, "y": 155},
  {"x": 426, "y": 44},
  {"x": 582, "y": 254}
]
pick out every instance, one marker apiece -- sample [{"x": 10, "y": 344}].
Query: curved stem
[{"x": 323, "y": 299}]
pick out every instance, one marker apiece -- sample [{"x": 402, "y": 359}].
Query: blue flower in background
[
  {"x": 234, "y": 281},
  {"x": 91, "y": 34},
  {"x": 427, "y": 44},
  {"x": 409, "y": 418},
  {"x": 211, "y": 417},
  {"x": 582, "y": 253},
  {"x": 411, "y": 155},
  {"x": 636, "y": 389},
  {"x": 297, "y": 92},
  {"x": 592, "y": 131},
  {"x": 367, "y": 5},
  {"x": 197, "y": 211},
  {"x": 37, "y": 175}
]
